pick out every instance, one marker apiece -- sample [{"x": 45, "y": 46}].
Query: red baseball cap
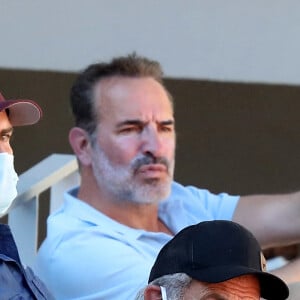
[{"x": 21, "y": 111}]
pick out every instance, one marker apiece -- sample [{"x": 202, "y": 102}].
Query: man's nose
[{"x": 152, "y": 142}]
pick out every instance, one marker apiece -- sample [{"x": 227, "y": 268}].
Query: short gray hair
[
  {"x": 82, "y": 90},
  {"x": 175, "y": 285}
]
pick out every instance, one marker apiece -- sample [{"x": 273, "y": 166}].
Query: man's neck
[{"x": 134, "y": 215}]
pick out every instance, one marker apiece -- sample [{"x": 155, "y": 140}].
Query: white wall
[{"x": 257, "y": 40}]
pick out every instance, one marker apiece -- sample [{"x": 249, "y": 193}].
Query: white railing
[{"x": 57, "y": 173}]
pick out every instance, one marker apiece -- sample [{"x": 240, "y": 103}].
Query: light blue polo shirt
[{"x": 88, "y": 255}]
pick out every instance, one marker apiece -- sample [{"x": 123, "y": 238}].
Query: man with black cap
[
  {"x": 213, "y": 260},
  {"x": 16, "y": 282}
]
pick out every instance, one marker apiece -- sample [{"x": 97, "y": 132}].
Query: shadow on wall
[{"x": 234, "y": 137}]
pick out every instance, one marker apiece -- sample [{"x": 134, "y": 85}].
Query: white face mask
[
  {"x": 163, "y": 293},
  {"x": 8, "y": 182}
]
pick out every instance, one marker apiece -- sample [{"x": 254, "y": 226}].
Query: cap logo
[{"x": 263, "y": 263}]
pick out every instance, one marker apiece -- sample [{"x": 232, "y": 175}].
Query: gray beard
[{"x": 121, "y": 183}]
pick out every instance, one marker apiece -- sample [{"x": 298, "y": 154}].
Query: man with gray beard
[
  {"x": 103, "y": 241},
  {"x": 119, "y": 181}
]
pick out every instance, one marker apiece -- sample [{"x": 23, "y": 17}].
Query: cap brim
[
  {"x": 22, "y": 112},
  {"x": 271, "y": 287}
]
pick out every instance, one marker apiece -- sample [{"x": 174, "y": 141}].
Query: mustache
[{"x": 149, "y": 159}]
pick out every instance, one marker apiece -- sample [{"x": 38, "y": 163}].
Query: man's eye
[
  {"x": 6, "y": 137},
  {"x": 167, "y": 129},
  {"x": 129, "y": 129}
]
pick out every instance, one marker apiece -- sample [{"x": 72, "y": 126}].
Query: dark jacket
[{"x": 17, "y": 282}]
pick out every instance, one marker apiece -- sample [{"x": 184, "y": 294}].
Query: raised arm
[{"x": 275, "y": 221}]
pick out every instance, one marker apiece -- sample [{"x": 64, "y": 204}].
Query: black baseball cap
[
  {"x": 21, "y": 111},
  {"x": 216, "y": 251}
]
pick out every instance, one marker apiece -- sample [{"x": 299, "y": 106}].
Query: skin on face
[
  {"x": 135, "y": 136},
  {"x": 241, "y": 288},
  {"x": 6, "y": 131}
]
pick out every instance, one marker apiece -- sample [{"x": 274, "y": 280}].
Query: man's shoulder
[
  {"x": 19, "y": 281},
  {"x": 4, "y": 229},
  {"x": 180, "y": 190},
  {"x": 191, "y": 190},
  {"x": 199, "y": 203}
]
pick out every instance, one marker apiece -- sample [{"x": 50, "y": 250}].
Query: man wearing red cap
[{"x": 20, "y": 282}]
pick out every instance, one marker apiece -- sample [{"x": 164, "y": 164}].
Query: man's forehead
[
  {"x": 121, "y": 87},
  {"x": 134, "y": 115},
  {"x": 245, "y": 286},
  {"x": 144, "y": 100},
  {"x": 4, "y": 121}
]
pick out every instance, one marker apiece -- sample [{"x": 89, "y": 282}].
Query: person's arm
[{"x": 275, "y": 221}]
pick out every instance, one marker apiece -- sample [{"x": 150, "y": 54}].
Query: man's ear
[
  {"x": 80, "y": 143},
  {"x": 152, "y": 292}
]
